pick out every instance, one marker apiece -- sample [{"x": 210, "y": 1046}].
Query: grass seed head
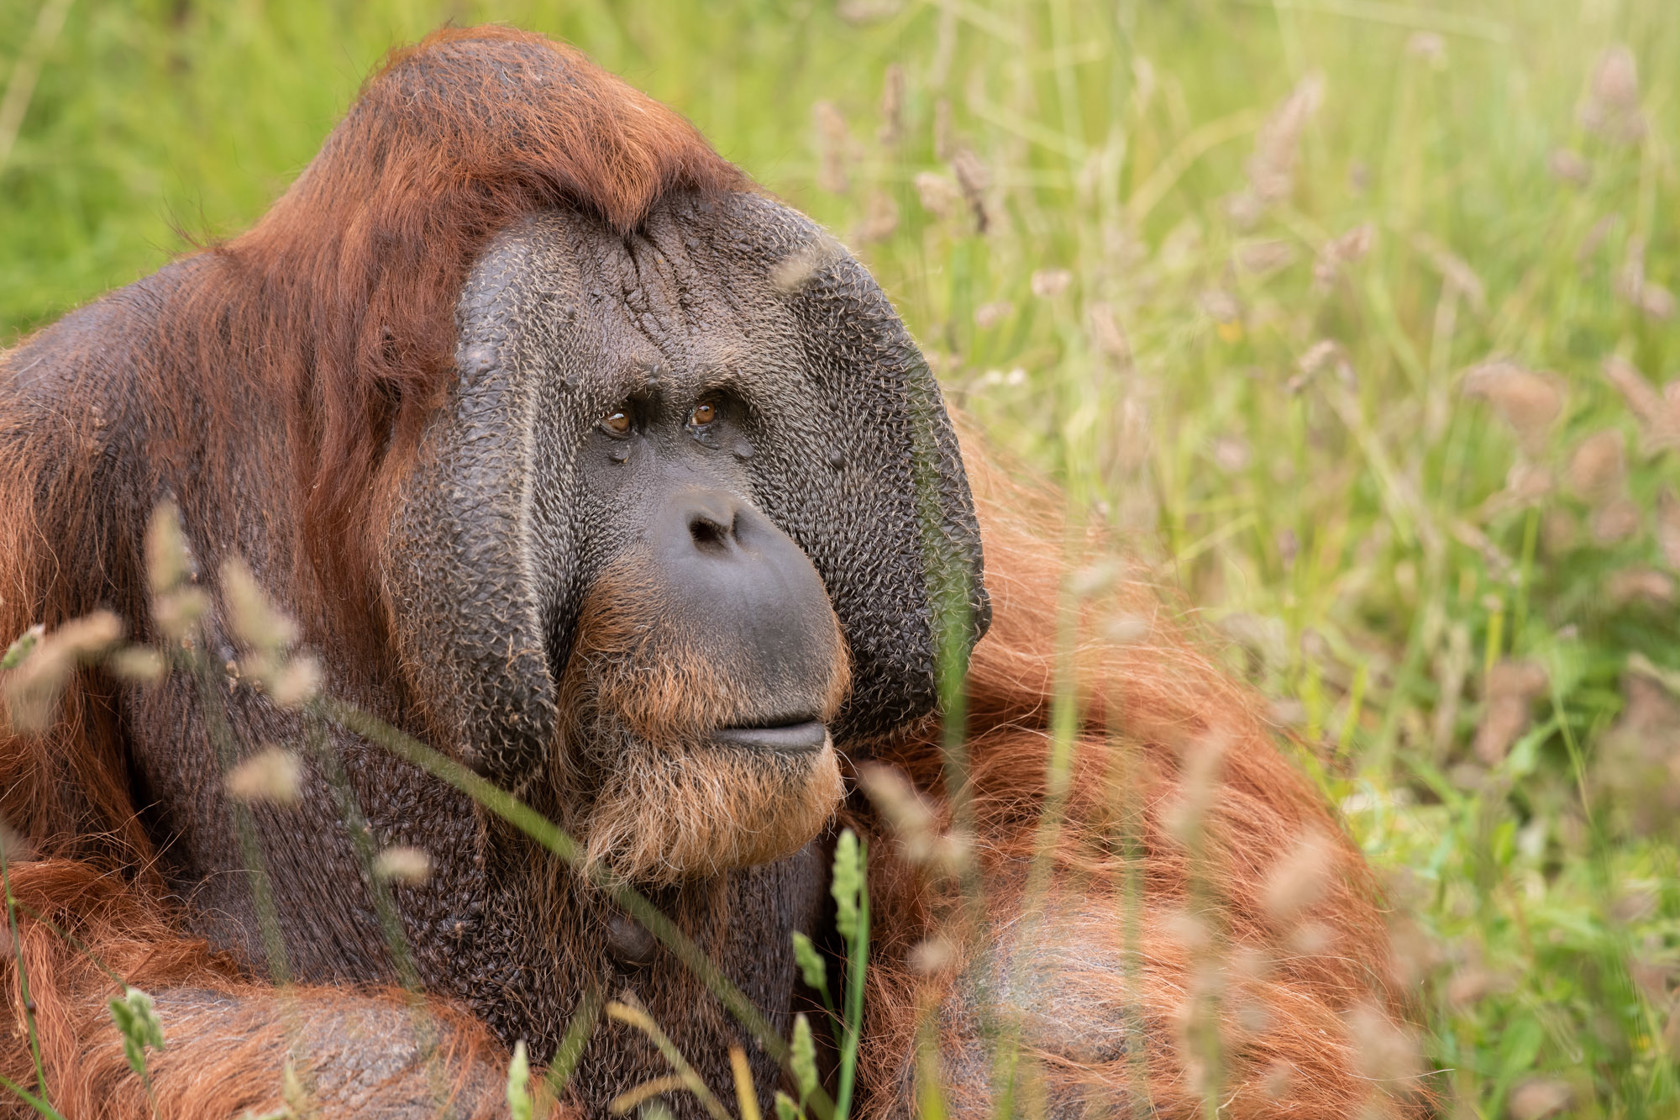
[
  {"x": 1203, "y": 761},
  {"x": 15, "y": 847},
  {"x": 1277, "y": 1081},
  {"x": 1528, "y": 400},
  {"x": 1473, "y": 983},
  {"x": 1668, "y": 528},
  {"x": 1658, "y": 414},
  {"x": 139, "y": 664},
  {"x": 1271, "y": 170},
  {"x": 1612, "y": 105},
  {"x": 1125, "y": 629},
  {"x": 1616, "y": 521},
  {"x": 1300, "y": 879},
  {"x": 1539, "y": 1098},
  {"x": 1640, "y": 585},
  {"x": 1512, "y": 686},
  {"x": 1048, "y": 283},
  {"x": 403, "y": 864},
  {"x": 296, "y": 682},
  {"x": 168, "y": 560},
  {"x": 1598, "y": 467},
  {"x": 251, "y": 614},
  {"x": 1428, "y": 46},
  {"x": 798, "y": 268},
  {"x": 18, "y": 652},
  {"x": 932, "y": 956},
  {"x": 1264, "y": 257},
  {"x": 940, "y": 196},
  {"x": 1527, "y": 483},
  {"x": 1385, "y": 1051},
  {"x": 177, "y": 613},
  {"x": 1094, "y": 579},
  {"x": 912, "y": 820},
  {"x": 880, "y": 220},
  {"x": 1569, "y": 166},
  {"x": 272, "y": 776},
  {"x": 34, "y": 687},
  {"x": 1657, "y": 301},
  {"x": 989, "y": 315},
  {"x": 1339, "y": 252},
  {"x": 1107, "y": 333}
]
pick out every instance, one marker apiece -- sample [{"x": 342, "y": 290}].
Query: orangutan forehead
[{"x": 695, "y": 299}]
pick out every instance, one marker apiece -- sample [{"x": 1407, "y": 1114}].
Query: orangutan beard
[{"x": 639, "y": 777}]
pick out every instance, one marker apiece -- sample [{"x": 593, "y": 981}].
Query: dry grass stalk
[
  {"x": 833, "y": 148},
  {"x": 892, "y": 106},
  {"x": 973, "y": 180}
]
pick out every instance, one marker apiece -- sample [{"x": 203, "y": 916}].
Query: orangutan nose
[{"x": 754, "y": 600}]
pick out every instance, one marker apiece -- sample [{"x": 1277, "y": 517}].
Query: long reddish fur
[
  {"x": 344, "y": 293},
  {"x": 1146, "y": 704}
]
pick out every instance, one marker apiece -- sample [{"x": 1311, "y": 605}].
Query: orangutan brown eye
[
  {"x": 616, "y": 422},
  {"x": 702, "y": 415}
]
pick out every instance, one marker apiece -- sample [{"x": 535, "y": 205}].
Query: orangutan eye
[
  {"x": 616, "y": 422},
  {"x": 704, "y": 413}
]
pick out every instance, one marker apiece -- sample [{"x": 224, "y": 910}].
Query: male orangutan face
[{"x": 685, "y": 523}]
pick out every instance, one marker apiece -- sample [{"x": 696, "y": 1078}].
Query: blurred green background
[{"x": 1354, "y": 315}]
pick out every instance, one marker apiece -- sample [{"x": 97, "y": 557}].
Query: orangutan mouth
[{"x": 794, "y": 737}]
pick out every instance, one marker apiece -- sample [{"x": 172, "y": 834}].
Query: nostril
[{"x": 707, "y": 534}]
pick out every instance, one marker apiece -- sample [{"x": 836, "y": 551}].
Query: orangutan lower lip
[{"x": 808, "y": 735}]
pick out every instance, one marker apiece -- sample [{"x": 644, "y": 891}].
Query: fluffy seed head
[
  {"x": 251, "y": 615},
  {"x": 1299, "y": 880},
  {"x": 1528, "y": 400},
  {"x": 1599, "y": 464},
  {"x": 273, "y": 776},
  {"x": 403, "y": 864}
]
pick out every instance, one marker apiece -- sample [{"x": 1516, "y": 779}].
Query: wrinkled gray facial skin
[{"x": 828, "y": 424}]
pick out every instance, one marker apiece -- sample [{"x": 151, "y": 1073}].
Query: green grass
[{"x": 1356, "y": 531}]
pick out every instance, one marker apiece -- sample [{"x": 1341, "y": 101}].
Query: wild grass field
[{"x": 1358, "y": 317}]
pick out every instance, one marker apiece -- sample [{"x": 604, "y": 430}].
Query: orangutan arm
[{"x": 370, "y": 1054}]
